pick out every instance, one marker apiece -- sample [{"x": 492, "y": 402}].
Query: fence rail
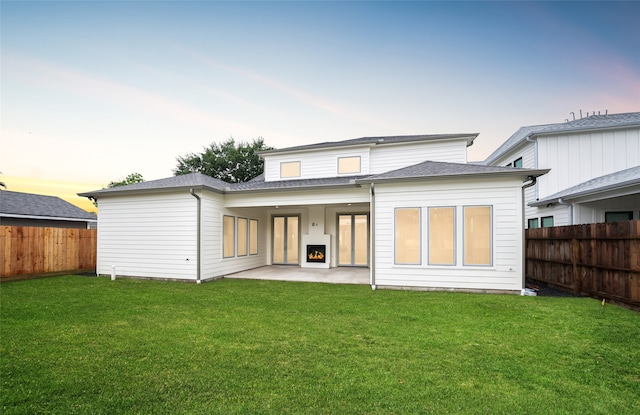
[
  {"x": 28, "y": 251},
  {"x": 600, "y": 260}
]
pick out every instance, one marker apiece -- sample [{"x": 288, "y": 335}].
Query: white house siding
[
  {"x": 317, "y": 163},
  {"x": 391, "y": 157},
  {"x": 576, "y": 158},
  {"x": 298, "y": 197},
  {"x": 504, "y": 195},
  {"x": 150, "y": 235},
  {"x": 590, "y": 212}
]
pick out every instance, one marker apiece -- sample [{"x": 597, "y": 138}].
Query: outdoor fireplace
[{"x": 316, "y": 253}]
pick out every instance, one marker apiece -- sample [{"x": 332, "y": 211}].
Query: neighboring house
[
  {"x": 27, "y": 209},
  {"x": 595, "y": 173},
  {"x": 407, "y": 207}
]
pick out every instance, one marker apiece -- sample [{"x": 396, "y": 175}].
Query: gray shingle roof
[
  {"x": 592, "y": 122},
  {"x": 378, "y": 141},
  {"x": 192, "y": 180},
  {"x": 428, "y": 169},
  {"x": 28, "y": 204},
  {"x": 614, "y": 181}
]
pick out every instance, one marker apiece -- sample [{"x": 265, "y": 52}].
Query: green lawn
[{"x": 83, "y": 345}]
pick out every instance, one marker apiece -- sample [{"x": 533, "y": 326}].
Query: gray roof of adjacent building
[
  {"x": 18, "y": 204},
  {"x": 396, "y": 139},
  {"x": 592, "y": 122},
  {"x": 609, "y": 182}
]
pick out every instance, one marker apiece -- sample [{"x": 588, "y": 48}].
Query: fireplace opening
[{"x": 316, "y": 253}]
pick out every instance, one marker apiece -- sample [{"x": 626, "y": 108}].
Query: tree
[
  {"x": 230, "y": 161},
  {"x": 130, "y": 179}
]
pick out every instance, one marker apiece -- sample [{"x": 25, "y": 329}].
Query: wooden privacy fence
[
  {"x": 28, "y": 251},
  {"x": 600, "y": 260}
]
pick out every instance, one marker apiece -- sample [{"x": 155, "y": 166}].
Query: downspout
[
  {"x": 532, "y": 182},
  {"x": 570, "y": 206},
  {"x": 199, "y": 226},
  {"x": 372, "y": 233}
]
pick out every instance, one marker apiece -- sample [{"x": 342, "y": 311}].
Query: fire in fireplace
[{"x": 316, "y": 253}]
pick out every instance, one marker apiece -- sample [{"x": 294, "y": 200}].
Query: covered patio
[{"x": 339, "y": 275}]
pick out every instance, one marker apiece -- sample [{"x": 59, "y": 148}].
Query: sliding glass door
[
  {"x": 286, "y": 231},
  {"x": 353, "y": 240}
]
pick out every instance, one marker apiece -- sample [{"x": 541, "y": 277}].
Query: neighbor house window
[
  {"x": 442, "y": 233},
  {"x": 407, "y": 236},
  {"x": 243, "y": 229},
  {"x": 253, "y": 237},
  {"x": 348, "y": 165},
  {"x": 547, "y": 221},
  {"x": 290, "y": 169},
  {"x": 617, "y": 216},
  {"x": 518, "y": 163},
  {"x": 229, "y": 236},
  {"x": 477, "y": 235},
  {"x": 533, "y": 223}
]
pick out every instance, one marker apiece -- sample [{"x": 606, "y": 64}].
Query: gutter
[
  {"x": 193, "y": 193},
  {"x": 372, "y": 235}
]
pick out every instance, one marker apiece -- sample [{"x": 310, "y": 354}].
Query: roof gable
[{"x": 28, "y": 204}]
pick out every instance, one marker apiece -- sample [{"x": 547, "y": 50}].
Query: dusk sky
[{"x": 93, "y": 91}]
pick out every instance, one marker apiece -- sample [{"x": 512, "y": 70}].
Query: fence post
[{"x": 575, "y": 255}]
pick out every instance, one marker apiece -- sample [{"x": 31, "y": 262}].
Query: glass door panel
[
  {"x": 285, "y": 239},
  {"x": 353, "y": 240},
  {"x": 361, "y": 240}
]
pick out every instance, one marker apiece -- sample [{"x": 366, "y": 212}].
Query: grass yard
[{"x": 83, "y": 345}]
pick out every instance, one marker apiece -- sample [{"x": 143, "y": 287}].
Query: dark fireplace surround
[{"x": 316, "y": 253}]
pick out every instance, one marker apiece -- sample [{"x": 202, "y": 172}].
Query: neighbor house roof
[
  {"x": 376, "y": 141},
  {"x": 623, "y": 179},
  {"x": 436, "y": 169},
  {"x": 32, "y": 206},
  {"x": 592, "y": 122}
]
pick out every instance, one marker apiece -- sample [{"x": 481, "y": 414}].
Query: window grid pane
[
  {"x": 242, "y": 236},
  {"x": 253, "y": 237},
  {"x": 348, "y": 165},
  {"x": 290, "y": 169},
  {"x": 442, "y": 236},
  {"x": 407, "y": 236},
  {"x": 228, "y": 240},
  {"x": 477, "y": 235}
]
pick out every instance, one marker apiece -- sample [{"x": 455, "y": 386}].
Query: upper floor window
[
  {"x": 348, "y": 165},
  {"x": 517, "y": 162},
  {"x": 290, "y": 169}
]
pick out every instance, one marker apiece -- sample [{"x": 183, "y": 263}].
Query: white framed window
[
  {"x": 442, "y": 235},
  {"x": 253, "y": 237},
  {"x": 347, "y": 165},
  {"x": 477, "y": 235},
  {"x": 242, "y": 240},
  {"x": 289, "y": 169},
  {"x": 407, "y": 236},
  {"x": 229, "y": 236}
]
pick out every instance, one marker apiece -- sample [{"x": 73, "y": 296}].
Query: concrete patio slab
[{"x": 340, "y": 275}]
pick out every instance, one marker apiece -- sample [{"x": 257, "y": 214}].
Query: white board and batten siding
[
  {"x": 151, "y": 235},
  {"x": 503, "y": 195},
  {"x": 579, "y": 157}
]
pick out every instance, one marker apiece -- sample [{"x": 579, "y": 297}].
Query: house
[
  {"x": 27, "y": 209},
  {"x": 594, "y": 167},
  {"x": 408, "y": 208}
]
